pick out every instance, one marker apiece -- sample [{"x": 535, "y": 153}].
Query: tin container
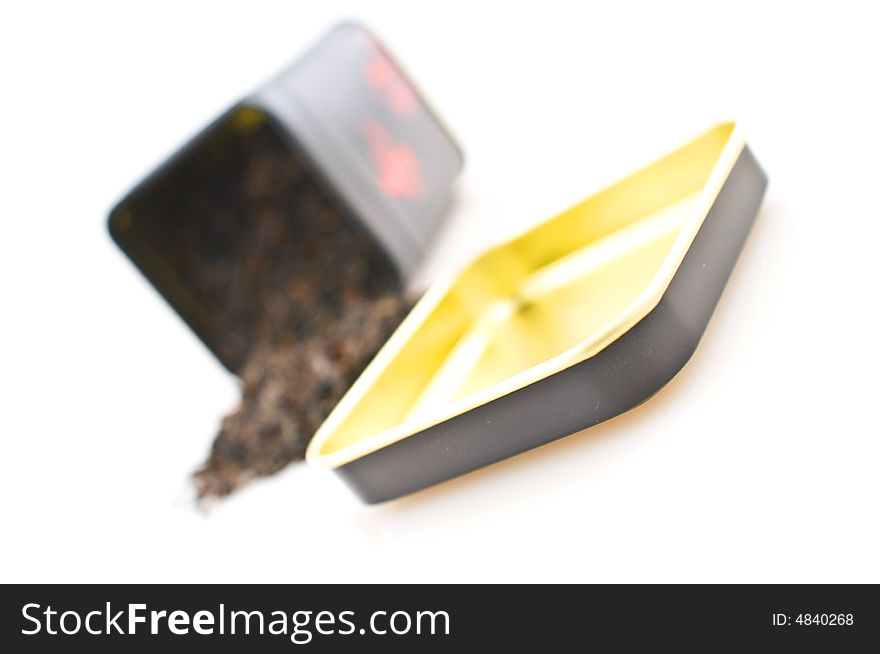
[
  {"x": 368, "y": 144},
  {"x": 576, "y": 321}
]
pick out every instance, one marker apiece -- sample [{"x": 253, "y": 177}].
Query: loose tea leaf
[
  {"x": 288, "y": 390},
  {"x": 290, "y": 291}
]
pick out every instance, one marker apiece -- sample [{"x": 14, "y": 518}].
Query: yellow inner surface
[
  {"x": 554, "y": 308},
  {"x": 553, "y": 290}
]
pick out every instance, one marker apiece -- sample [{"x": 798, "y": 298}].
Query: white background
[{"x": 759, "y": 462}]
